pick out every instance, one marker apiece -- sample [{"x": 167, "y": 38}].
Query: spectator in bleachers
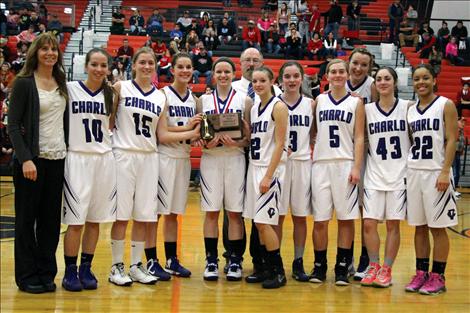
[
  {"x": 118, "y": 72},
  {"x": 209, "y": 34},
  {"x": 435, "y": 59},
  {"x": 334, "y": 16},
  {"x": 204, "y": 20},
  {"x": 202, "y": 63},
  {"x": 271, "y": 5},
  {"x": 12, "y": 21},
  {"x": 330, "y": 45},
  {"x": 155, "y": 23},
  {"x": 452, "y": 51},
  {"x": 283, "y": 18},
  {"x": 136, "y": 22},
  {"x": 408, "y": 32},
  {"x": 353, "y": 10},
  {"x": 227, "y": 3},
  {"x": 6, "y": 77},
  {"x": 412, "y": 15},
  {"x": 125, "y": 54},
  {"x": 173, "y": 47},
  {"x": 27, "y": 35},
  {"x": 3, "y": 23},
  {"x": 245, "y": 3},
  {"x": 429, "y": 41},
  {"x": 195, "y": 26},
  {"x": 191, "y": 40},
  {"x": 184, "y": 21},
  {"x": 315, "y": 23},
  {"x": 41, "y": 29},
  {"x": 459, "y": 31},
  {"x": 272, "y": 39},
  {"x": 443, "y": 36},
  {"x": 117, "y": 22},
  {"x": 4, "y": 49},
  {"x": 315, "y": 47},
  {"x": 300, "y": 8},
  {"x": 463, "y": 98},
  {"x": 459, "y": 151},
  {"x": 396, "y": 14},
  {"x": 294, "y": 45},
  {"x": 251, "y": 36},
  {"x": 263, "y": 24},
  {"x": 22, "y": 51},
  {"x": 425, "y": 28},
  {"x": 35, "y": 20},
  {"x": 24, "y": 19},
  {"x": 164, "y": 66},
  {"x": 55, "y": 26},
  {"x": 176, "y": 34},
  {"x": 42, "y": 12},
  {"x": 225, "y": 32},
  {"x": 159, "y": 48}
]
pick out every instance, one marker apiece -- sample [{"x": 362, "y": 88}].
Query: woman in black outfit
[{"x": 38, "y": 130}]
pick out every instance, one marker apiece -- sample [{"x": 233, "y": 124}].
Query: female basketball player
[
  {"x": 296, "y": 189},
  {"x": 140, "y": 106},
  {"x": 268, "y": 154},
  {"x": 174, "y": 167},
  {"x": 222, "y": 173},
  {"x": 362, "y": 85},
  {"x": 430, "y": 191},
  {"x": 90, "y": 170},
  {"x": 337, "y": 161},
  {"x": 38, "y": 131},
  {"x": 384, "y": 180}
]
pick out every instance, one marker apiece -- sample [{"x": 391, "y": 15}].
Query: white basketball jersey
[
  {"x": 335, "y": 128},
  {"x": 180, "y": 110},
  {"x": 262, "y": 134},
  {"x": 300, "y": 121},
  {"x": 137, "y": 118},
  {"x": 363, "y": 89},
  {"x": 428, "y": 132},
  {"x": 388, "y": 146},
  {"x": 212, "y": 104},
  {"x": 89, "y": 124}
]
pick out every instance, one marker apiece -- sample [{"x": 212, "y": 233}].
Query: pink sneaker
[
  {"x": 417, "y": 281},
  {"x": 384, "y": 277},
  {"x": 435, "y": 284},
  {"x": 371, "y": 273}
]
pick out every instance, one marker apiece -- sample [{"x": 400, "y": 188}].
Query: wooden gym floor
[{"x": 196, "y": 295}]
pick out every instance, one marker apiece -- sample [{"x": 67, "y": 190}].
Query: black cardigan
[{"x": 23, "y": 119}]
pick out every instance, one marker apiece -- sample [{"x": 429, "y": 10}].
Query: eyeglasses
[{"x": 250, "y": 60}]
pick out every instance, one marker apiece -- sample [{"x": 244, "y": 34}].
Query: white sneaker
[
  {"x": 211, "y": 273},
  {"x": 139, "y": 274},
  {"x": 457, "y": 194},
  {"x": 234, "y": 272},
  {"x": 118, "y": 277}
]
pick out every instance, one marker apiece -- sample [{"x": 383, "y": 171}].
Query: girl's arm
[
  {"x": 165, "y": 135},
  {"x": 112, "y": 118},
  {"x": 280, "y": 116},
  {"x": 355, "y": 175},
  {"x": 450, "y": 122}
]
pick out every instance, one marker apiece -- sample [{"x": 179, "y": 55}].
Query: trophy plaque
[{"x": 226, "y": 124}]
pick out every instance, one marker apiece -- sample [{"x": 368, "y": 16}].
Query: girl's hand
[
  {"x": 265, "y": 184},
  {"x": 214, "y": 142},
  {"x": 195, "y": 120},
  {"x": 443, "y": 181},
  {"x": 228, "y": 141},
  {"x": 29, "y": 170},
  {"x": 354, "y": 176}
]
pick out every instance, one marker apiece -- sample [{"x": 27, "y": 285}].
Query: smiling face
[
  {"x": 337, "y": 74},
  {"x": 385, "y": 82},
  {"x": 423, "y": 82},
  {"x": 144, "y": 66},
  {"x": 223, "y": 74},
  {"x": 97, "y": 67},
  {"x": 183, "y": 70},
  {"x": 291, "y": 78},
  {"x": 261, "y": 83},
  {"x": 359, "y": 66},
  {"x": 47, "y": 55}
]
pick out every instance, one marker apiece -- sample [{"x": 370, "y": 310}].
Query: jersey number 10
[{"x": 95, "y": 130}]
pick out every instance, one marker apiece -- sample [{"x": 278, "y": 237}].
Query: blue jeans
[
  {"x": 273, "y": 48},
  {"x": 456, "y": 169},
  {"x": 246, "y": 45},
  {"x": 207, "y": 74}
]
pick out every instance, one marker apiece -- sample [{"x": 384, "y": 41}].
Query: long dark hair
[
  {"x": 31, "y": 64},
  {"x": 108, "y": 91}
]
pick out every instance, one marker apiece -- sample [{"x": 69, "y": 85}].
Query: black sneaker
[
  {"x": 277, "y": 279},
  {"x": 318, "y": 274},
  {"x": 227, "y": 261},
  {"x": 298, "y": 272},
  {"x": 361, "y": 268},
  {"x": 258, "y": 275},
  {"x": 341, "y": 274}
]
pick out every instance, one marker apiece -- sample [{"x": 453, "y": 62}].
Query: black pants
[{"x": 37, "y": 224}]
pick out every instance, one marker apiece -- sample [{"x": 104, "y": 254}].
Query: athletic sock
[
  {"x": 151, "y": 253},
  {"x": 236, "y": 246},
  {"x": 117, "y": 251},
  {"x": 86, "y": 258},
  {"x": 298, "y": 252},
  {"x": 422, "y": 264},
  {"x": 320, "y": 257},
  {"x": 170, "y": 249},
  {"x": 342, "y": 256},
  {"x": 211, "y": 246},
  {"x": 439, "y": 267},
  {"x": 70, "y": 260},
  {"x": 137, "y": 248}
]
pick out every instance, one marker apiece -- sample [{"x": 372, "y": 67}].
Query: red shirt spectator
[
  {"x": 314, "y": 25},
  {"x": 313, "y": 45},
  {"x": 159, "y": 48},
  {"x": 252, "y": 34}
]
